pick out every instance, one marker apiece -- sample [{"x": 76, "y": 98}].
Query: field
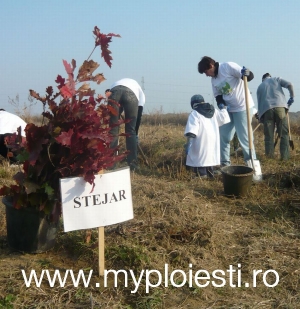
[{"x": 203, "y": 246}]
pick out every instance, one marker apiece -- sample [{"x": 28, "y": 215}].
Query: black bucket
[
  {"x": 28, "y": 230},
  {"x": 237, "y": 179}
]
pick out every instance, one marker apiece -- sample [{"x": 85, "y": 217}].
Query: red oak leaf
[
  {"x": 115, "y": 35},
  {"x": 112, "y": 110},
  {"x": 68, "y": 67},
  {"x": 49, "y": 90},
  {"x": 65, "y": 138},
  {"x": 66, "y": 92},
  {"x": 71, "y": 83},
  {"x": 36, "y": 96},
  {"x": 86, "y": 70},
  {"x": 61, "y": 81},
  {"x": 99, "y": 78},
  {"x": 36, "y": 138},
  {"x": 103, "y": 41}
]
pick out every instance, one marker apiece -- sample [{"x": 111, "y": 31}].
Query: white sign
[{"x": 109, "y": 203}]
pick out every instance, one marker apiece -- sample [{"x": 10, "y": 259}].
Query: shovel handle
[
  {"x": 248, "y": 112},
  {"x": 288, "y": 120}
]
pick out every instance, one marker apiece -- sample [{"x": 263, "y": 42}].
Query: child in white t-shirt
[{"x": 203, "y": 138}]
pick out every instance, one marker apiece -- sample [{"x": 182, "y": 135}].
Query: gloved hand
[
  {"x": 256, "y": 116},
  {"x": 188, "y": 145},
  {"x": 222, "y": 105},
  {"x": 137, "y": 139},
  {"x": 290, "y": 102},
  {"x": 245, "y": 71}
]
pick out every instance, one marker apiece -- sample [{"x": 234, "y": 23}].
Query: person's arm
[
  {"x": 291, "y": 90},
  {"x": 220, "y": 101},
  {"x": 190, "y": 135},
  {"x": 291, "y": 99},
  {"x": 237, "y": 71},
  {"x": 189, "y": 142},
  {"x": 288, "y": 85},
  {"x": 259, "y": 103}
]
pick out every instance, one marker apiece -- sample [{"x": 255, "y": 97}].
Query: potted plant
[{"x": 73, "y": 141}]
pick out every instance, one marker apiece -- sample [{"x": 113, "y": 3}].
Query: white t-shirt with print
[{"x": 229, "y": 84}]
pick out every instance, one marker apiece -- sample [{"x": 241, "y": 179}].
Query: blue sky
[{"x": 161, "y": 45}]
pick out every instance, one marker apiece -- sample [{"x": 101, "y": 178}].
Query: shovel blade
[
  {"x": 257, "y": 175},
  {"x": 292, "y": 144}
]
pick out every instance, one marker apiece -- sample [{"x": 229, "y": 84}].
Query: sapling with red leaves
[{"x": 73, "y": 140}]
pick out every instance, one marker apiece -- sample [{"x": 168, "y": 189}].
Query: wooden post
[
  {"x": 101, "y": 246},
  {"x": 101, "y": 250}
]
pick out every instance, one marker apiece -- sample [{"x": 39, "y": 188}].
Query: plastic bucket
[
  {"x": 237, "y": 179},
  {"x": 28, "y": 230}
]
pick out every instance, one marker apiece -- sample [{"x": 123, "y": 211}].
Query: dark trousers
[
  {"x": 129, "y": 104},
  {"x": 204, "y": 171},
  {"x": 3, "y": 148},
  {"x": 138, "y": 120},
  {"x": 276, "y": 116}
]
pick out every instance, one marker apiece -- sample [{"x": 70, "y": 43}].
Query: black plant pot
[{"x": 28, "y": 230}]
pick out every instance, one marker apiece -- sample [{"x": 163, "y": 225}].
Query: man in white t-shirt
[
  {"x": 9, "y": 124},
  {"x": 128, "y": 93},
  {"x": 228, "y": 89}
]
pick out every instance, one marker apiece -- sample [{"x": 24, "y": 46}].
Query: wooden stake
[
  {"x": 101, "y": 245},
  {"x": 101, "y": 250}
]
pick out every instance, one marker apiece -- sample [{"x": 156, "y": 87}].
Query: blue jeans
[
  {"x": 238, "y": 124},
  {"x": 129, "y": 103}
]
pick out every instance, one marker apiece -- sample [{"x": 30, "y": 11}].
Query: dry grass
[{"x": 177, "y": 221}]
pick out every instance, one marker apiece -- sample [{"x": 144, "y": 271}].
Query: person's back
[
  {"x": 10, "y": 122},
  {"x": 134, "y": 86},
  {"x": 270, "y": 94}
]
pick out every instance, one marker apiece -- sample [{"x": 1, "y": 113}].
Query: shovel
[
  {"x": 255, "y": 164},
  {"x": 290, "y": 137}
]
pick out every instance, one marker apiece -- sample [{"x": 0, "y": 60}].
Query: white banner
[{"x": 109, "y": 203}]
